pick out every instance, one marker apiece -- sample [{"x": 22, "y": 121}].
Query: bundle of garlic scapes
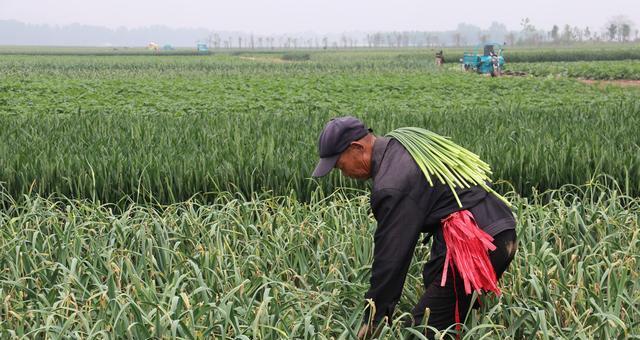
[{"x": 450, "y": 163}]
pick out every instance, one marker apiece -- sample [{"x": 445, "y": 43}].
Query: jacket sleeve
[{"x": 399, "y": 225}]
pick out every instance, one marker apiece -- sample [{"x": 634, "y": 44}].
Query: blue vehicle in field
[
  {"x": 202, "y": 48},
  {"x": 485, "y": 59}
]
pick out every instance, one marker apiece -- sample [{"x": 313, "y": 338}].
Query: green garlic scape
[{"x": 450, "y": 163}]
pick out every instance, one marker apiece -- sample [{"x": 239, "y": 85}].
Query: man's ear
[{"x": 358, "y": 145}]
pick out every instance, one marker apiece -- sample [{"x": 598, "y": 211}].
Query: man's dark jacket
[{"x": 406, "y": 205}]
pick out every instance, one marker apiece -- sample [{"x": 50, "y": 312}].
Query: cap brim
[{"x": 325, "y": 165}]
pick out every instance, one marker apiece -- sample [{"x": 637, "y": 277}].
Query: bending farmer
[{"x": 473, "y": 230}]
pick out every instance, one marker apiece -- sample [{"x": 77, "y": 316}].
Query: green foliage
[
  {"x": 513, "y": 54},
  {"x": 522, "y": 54},
  {"x": 171, "y": 127},
  {"x": 263, "y": 251},
  {"x": 296, "y": 56},
  {"x": 628, "y": 69},
  {"x": 265, "y": 267},
  {"x": 571, "y": 54}
]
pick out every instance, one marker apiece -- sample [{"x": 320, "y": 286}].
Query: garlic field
[{"x": 169, "y": 196}]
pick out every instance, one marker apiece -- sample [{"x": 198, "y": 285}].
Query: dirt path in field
[
  {"x": 269, "y": 60},
  {"x": 603, "y": 83}
]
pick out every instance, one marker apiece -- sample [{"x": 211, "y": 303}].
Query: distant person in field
[
  {"x": 439, "y": 58},
  {"x": 405, "y": 205}
]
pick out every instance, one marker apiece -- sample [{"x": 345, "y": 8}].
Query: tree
[
  {"x": 344, "y": 41},
  {"x": 436, "y": 40},
  {"x": 587, "y": 33},
  {"x": 577, "y": 33},
  {"x": 404, "y": 38},
  {"x": 611, "y": 31},
  {"x": 555, "y": 33},
  {"x": 497, "y": 31},
  {"x": 378, "y": 39},
  {"x": 483, "y": 38},
  {"x": 457, "y": 38},
  {"x": 210, "y": 41},
  {"x": 528, "y": 31},
  {"x": 468, "y": 33},
  {"x": 398, "y": 39},
  {"x": 626, "y": 31},
  {"x": 567, "y": 34},
  {"x": 429, "y": 39},
  {"x": 619, "y": 27},
  {"x": 511, "y": 38}
]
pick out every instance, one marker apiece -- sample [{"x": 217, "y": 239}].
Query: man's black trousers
[{"x": 442, "y": 300}]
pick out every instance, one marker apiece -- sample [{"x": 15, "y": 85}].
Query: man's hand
[
  {"x": 364, "y": 332},
  {"x": 369, "y": 331}
]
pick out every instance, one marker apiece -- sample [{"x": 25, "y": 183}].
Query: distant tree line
[{"x": 616, "y": 29}]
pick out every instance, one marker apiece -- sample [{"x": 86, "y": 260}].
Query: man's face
[{"x": 354, "y": 162}]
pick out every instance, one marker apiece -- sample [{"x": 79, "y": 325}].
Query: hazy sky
[{"x": 320, "y": 16}]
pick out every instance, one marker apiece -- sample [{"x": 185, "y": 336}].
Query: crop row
[
  {"x": 271, "y": 267},
  {"x": 571, "y": 54},
  {"x": 172, "y": 157},
  {"x": 116, "y": 131},
  {"x": 513, "y": 54},
  {"x": 601, "y": 70}
]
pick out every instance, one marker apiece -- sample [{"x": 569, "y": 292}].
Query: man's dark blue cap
[{"x": 334, "y": 139}]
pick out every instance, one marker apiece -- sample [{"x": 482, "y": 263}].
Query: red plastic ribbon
[{"x": 468, "y": 249}]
